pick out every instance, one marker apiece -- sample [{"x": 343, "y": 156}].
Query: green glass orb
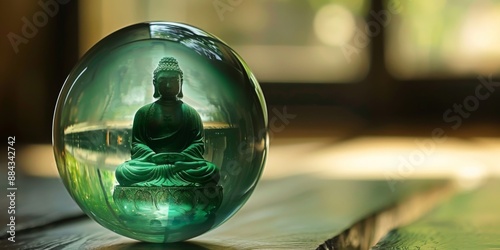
[{"x": 160, "y": 132}]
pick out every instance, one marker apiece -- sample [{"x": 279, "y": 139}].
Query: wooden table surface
[
  {"x": 296, "y": 212},
  {"x": 470, "y": 220}
]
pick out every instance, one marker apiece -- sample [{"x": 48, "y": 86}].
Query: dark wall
[{"x": 38, "y": 46}]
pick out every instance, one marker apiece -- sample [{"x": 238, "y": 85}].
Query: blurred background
[{"x": 374, "y": 89}]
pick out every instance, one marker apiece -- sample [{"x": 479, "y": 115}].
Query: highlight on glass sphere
[{"x": 160, "y": 132}]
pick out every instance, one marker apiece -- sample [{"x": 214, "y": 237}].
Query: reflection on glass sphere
[{"x": 160, "y": 132}]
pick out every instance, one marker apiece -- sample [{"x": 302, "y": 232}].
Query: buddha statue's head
[{"x": 167, "y": 79}]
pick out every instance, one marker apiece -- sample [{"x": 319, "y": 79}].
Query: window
[
  {"x": 443, "y": 39},
  {"x": 281, "y": 40},
  {"x": 303, "y": 51}
]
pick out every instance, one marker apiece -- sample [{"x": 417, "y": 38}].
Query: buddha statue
[{"x": 167, "y": 139}]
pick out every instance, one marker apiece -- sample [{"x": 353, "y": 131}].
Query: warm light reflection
[
  {"x": 37, "y": 160},
  {"x": 479, "y": 37},
  {"x": 289, "y": 156},
  {"x": 388, "y": 157},
  {"x": 334, "y": 25},
  {"x": 469, "y": 177}
]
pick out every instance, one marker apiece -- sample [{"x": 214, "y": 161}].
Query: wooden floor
[{"x": 313, "y": 213}]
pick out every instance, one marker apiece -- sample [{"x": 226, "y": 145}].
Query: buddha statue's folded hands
[{"x": 169, "y": 158}]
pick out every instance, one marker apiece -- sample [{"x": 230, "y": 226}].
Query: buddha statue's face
[{"x": 168, "y": 84}]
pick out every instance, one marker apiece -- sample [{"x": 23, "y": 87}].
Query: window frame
[{"x": 382, "y": 98}]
